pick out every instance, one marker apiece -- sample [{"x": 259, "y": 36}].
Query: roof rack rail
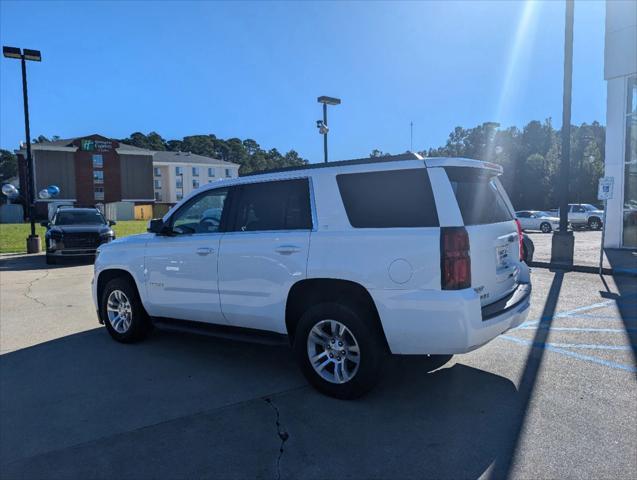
[{"x": 341, "y": 163}]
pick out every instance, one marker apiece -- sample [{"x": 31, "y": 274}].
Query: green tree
[{"x": 8, "y": 165}]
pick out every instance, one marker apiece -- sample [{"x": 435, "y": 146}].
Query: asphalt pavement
[{"x": 554, "y": 398}]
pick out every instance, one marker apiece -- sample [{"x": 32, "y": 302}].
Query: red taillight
[
  {"x": 455, "y": 260},
  {"x": 520, "y": 241}
]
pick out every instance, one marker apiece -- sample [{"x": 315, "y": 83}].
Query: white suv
[{"x": 346, "y": 261}]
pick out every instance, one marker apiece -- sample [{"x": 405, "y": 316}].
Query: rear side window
[
  {"x": 278, "y": 205},
  {"x": 388, "y": 199},
  {"x": 480, "y": 199}
]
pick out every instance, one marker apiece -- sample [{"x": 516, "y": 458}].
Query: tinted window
[
  {"x": 79, "y": 217},
  {"x": 281, "y": 205},
  {"x": 388, "y": 199},
  {"x": 202, "y": 214},
  {"x": 523, "y": 214},
  {"x": 479, "y": 197}
]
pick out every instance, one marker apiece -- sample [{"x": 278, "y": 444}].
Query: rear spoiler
[{"x": 463, "y": 162}]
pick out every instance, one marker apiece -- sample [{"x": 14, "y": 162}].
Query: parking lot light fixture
[
  {"x": 322, "y": 125},
  {"x": 33, "y": 241}
]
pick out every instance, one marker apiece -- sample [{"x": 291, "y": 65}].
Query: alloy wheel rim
[
  {"x": 545, "y": 228},
  {"x": 119, "y": 311},
  {"x": 333, "y": 351}
]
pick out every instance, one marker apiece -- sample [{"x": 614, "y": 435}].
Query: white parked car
[
  {"x": 346, "y": 261},
  {"x": 537, "y": 220},
  {"x": 583, "y": 215}
]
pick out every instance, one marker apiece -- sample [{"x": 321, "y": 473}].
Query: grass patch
[{"x": 13, "y": 235}]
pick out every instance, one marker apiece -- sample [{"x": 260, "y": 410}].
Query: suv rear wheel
[
  {"x": 122, "y": 312},
  {"x": 545, "y": 227},
  {"x": 339, "y": 352}
]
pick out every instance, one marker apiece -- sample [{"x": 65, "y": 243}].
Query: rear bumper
[{"x": 449, "y": 322}]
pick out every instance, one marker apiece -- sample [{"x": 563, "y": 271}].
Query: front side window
[
  {"x": 202, "y": 214},
  {"x": 388, "y": 199},
  {"x": 278, "y": 205},
  {"x": 98, "y": 161},
  {"x": 523, "y": 214}
]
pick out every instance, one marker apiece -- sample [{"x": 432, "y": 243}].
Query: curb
[{"x": 629, "y": 272}]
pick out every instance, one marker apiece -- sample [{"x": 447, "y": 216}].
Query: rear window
[
  {"x": 479, "y": 197},
  {"x": 388, "y": 199}
]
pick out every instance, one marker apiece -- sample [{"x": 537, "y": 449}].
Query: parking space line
[
  {"x": 568, "y": 353},
  {"x": 576, "y": 329}
]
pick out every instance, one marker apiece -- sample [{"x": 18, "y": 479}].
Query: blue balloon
[{"x": 53, "y": 190}]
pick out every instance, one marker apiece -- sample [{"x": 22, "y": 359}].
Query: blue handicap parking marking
[{"x": 583, "y": 313}]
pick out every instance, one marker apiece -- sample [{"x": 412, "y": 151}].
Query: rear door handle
[
  {"x": 287, "y": 249},
  {"x": 204, "y": 251}
]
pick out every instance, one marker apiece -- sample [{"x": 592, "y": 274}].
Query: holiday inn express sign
[{"x": 90, "y": 145}]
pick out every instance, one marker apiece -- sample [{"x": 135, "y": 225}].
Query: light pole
[
  {"x": 562, "y": 244},
  {"x": 33, "y": 241},
  {"x": 322, "y": 124}
]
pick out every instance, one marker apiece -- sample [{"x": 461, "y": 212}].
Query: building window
[
  {"x": 195, "y": 183},
  {"x": 180, "y": 182},
  {"x": 195, "y": 171},
  {"x": 179, "y": 196},
  {"x": 98, "y": 176},
  {"x": 157, "y": 171},
  {"x": 158, "y": 196},
  {"x": 228, "y": 174},
  {"x": 211, "y": 172},
  {"x": 630, "y": 167},
  {"x": 157, "y": 183},
  {"x": 179, "y": 171},
  {"x": 99, "y": 193},
  {"x": 98, "y": 161}
]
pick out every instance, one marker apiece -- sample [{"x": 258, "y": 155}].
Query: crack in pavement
[
  {"x": 27, "y": 291},
  {"x": 283, "y": 435}
]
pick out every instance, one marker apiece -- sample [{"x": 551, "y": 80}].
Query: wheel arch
[
  {"x": 109, "y": 274},
  {"x": 311, "y": 291}
]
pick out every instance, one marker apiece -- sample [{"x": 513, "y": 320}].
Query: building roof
[
  {"x": 187, "y": 157},
  {"x": 158, "y": 155}
]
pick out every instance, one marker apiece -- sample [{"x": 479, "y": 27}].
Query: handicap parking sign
[{"x": 605, "y": 188}]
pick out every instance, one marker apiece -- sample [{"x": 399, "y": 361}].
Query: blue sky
[{"x": 254, "y": 70}]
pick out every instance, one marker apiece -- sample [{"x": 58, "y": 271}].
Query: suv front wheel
[
  {"x": 122, "y": 311},
  {"x": 339, "y": 352}
]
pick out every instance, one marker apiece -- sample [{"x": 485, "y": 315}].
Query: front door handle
[
  {"x": 204, "y": 251},
  {"x": 287, "y": 249}
]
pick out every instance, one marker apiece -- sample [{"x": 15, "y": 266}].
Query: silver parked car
[{"x": 538, "y": 220}]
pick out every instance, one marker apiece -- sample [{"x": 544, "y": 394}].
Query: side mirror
[
  {"x": 45, "y": 224},
  {"x": 157, "y": 226},
  {"x": 111, "y": 223}
]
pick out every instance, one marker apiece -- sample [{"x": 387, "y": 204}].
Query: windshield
[{"x": 79, "y": 218}]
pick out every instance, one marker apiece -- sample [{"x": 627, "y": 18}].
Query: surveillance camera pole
[
  {"x": 325, "y": 134},
  {"x": 29, "y": 183}
]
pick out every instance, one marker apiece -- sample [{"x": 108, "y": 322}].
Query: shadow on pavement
[
  {"x": 25, "y": 262},
  {"x": 505, "y": 462},
  {"x": 181, "y": 406}
]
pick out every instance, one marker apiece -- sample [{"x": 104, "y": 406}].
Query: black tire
[
  {"x": 594, "y": 223},
  {"x": 545, "y": 227},
  {"x": 51, "y": 260},
  {"x": 140, "y": 325},
  {"x": 370, "y": 342}
]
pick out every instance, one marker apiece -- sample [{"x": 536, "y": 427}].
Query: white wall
[
  {"x": 169, "y": 177},
  {"x": 620, "y": 61}
]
